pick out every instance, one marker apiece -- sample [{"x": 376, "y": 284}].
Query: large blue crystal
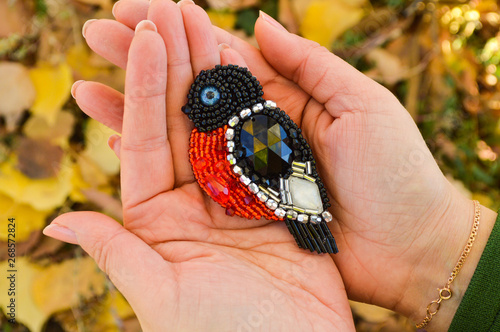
[{"x": 267, "y": 146}]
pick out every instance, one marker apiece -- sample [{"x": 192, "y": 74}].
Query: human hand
[
  {"x": 393, "y": 206},
  {"x": 182, "y": 264}
]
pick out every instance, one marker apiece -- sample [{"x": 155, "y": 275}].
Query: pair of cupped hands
[{"x": 184, "y": 265}]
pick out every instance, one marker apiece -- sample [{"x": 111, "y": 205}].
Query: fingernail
[
  {"x": 74, "y": 87},
  {"x": 145, "y": 25},
  {"x": 114, "y": 7},
  {"x": 114, "y": 143},
  {"x": 86, "y": 26},
  {"x": 223, "y": 47},
  {"x": 60, "y": 233},
  {"x": 271, "y": 21},
  {"x": 183, "y": 3}
]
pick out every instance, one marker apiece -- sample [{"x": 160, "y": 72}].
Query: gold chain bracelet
[{"x": 445, "y": 292}]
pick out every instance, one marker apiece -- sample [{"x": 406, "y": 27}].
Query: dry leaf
[
  {"x": 53, "y": 87},
  {"x": 41, "y": 194},
  {"x": 325, "y": 20},
  {"x": 28, "y": 220},
  {"x": 105, "y": 4},
  {"x": 15, "y": 17},
  {"x": 38, "y": 128},
  {"x": 17, "y": 92},
  {"x": 97, "y": 149},
  {"x": 100, "y": 315},
  {"x": 42, "y": 291},
  {"x": 388, "y": 67},
  {"x": 38, "y": 159}
]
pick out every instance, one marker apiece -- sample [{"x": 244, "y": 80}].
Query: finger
[
  {"x": 130, "y": 263},
  {"x": 201, "y": 38},
  {"x": 131, "y": 12},
  {"x": 273, "y": 83},
  {"x": 109, "y": 39},
  {"x": 228, "y": 56},
  {"x": 147, "y": 167},
  {"x": 115, "y": 144},
  {"x": 316, "y": 70},
  {"x": 167, "y": 16},
  {"x": 100, "y": 102}
]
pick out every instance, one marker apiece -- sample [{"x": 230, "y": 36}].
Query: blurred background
[{"x": 440, "y": 58}]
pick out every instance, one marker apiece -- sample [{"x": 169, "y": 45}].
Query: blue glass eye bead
[{"x": 209, "y": 96}]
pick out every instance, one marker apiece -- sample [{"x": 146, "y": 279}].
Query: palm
[
  {"x": 375, "y": 199},
  {"x": 357, "y": 136},
  {"x": 234, "y": 268}
]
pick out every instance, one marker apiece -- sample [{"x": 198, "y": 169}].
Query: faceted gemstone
[
  {"x": 230, "y": 211},
  {"x": 218, "y": 191},
  {"x": 305, "y": 194},
  {"x": 248, "y": 200},
  {"x": 267, "y": 146}
]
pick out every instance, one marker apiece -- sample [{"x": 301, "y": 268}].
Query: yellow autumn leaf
[
  {"x": 62, "y": 286},
  {"x": 114, "y": 306},
  {"x": 79, "y": 59},
  {"x": 325, "y": 20},
  {"x": 78, "y": 184},
  {"x": 28, "y": 220},
  {"x": 42, "y": 291},
  {"x": 41, "y": 194},
  {"x": 97, "y": 149},
  {"x": 370, "y": 313},
  {"x": 223, "y": 19},
  {"x": 53, "y": 87}
]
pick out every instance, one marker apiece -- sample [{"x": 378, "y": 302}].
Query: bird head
[{"x": 219, "y": 93}]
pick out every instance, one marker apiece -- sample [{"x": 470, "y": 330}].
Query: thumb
[
  {"x": 129, "y": 262},
  {"x": 320, "y": 73}
]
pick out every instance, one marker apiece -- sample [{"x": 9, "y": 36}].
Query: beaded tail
[{"x": 313, "y": 237}]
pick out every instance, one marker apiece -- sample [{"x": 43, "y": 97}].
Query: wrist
[{"x": 444, "y": 239}]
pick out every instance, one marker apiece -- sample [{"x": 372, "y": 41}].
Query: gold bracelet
[{"x": 445, "y": 292}]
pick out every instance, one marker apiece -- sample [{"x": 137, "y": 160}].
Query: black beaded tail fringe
[{"x": 313, "y": 237}]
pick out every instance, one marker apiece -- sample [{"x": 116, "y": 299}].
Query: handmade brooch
[{"x": 252, "y": 159}]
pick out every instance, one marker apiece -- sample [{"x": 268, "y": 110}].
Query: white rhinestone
[
  {"x": 229, "y": 134},
  {"x": 262, "y": 196},
  {"x": 233, "y": 121},
  {"x": 253, "y": 188},
  {"x": 245, "y": 113},
  {"x": 327, "y": 216},
  {"x": 257, "y": 108},
  {"x": 303, "y": 218},
  {"x": 315, "y": 219},
  {"x": 305, "y": 194},
  {"x": 291, "y": 214},
  {"x": 272, "y": 204},
  {"x": 238, "y": 170},
  {"x": 270, "y": 104},
  {"x": 230, "y": 146},
  {"x": 280, "y": 213},
  {"x": 245, "y": 180},
  {"x": 231, "y": 159}
]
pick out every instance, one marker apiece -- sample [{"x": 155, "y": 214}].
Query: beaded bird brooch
[{"x": 252, "y": 159}]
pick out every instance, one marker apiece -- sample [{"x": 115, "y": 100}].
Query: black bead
[{"x": 186, "y": 109}]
